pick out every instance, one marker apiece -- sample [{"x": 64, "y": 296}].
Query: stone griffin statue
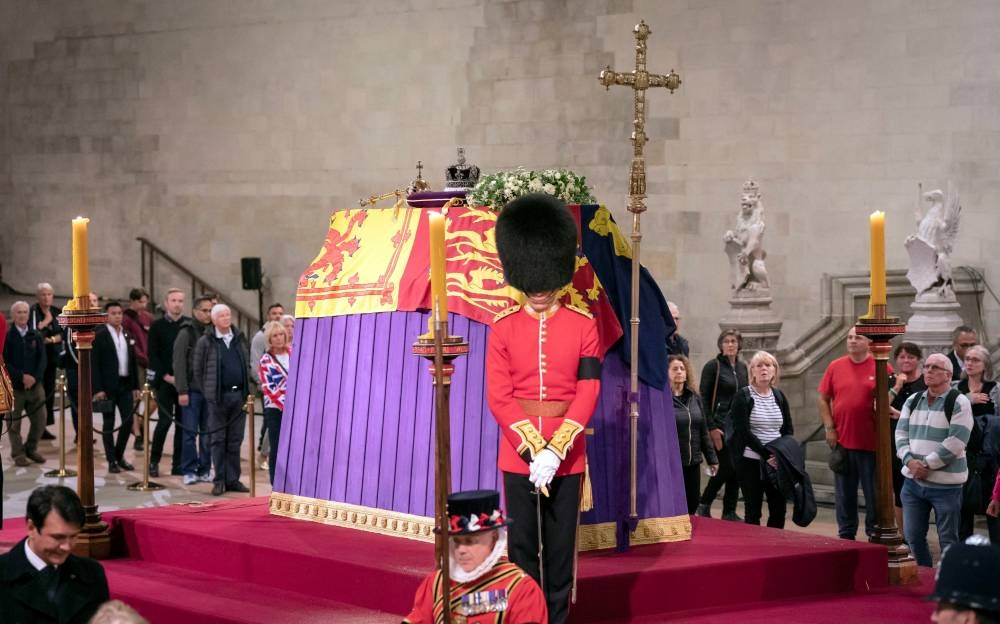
[
  {"x": 930, "y": 248},
  {"x": 745, "y": 246}
]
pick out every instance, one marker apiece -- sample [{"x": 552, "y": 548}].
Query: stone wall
[{"x": 223, "y": 128}]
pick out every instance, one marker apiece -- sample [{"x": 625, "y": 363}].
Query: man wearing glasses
[
  {"x": 40, "y": 579},
  {"x": 196, "y": 462},
  {"x": 931, "y": 444},
  {"x": 961, "y": 339}
]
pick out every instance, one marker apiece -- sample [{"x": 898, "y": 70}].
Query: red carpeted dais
[{"x": 232, "y": 561}]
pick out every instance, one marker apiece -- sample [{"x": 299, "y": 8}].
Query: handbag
[
  {"x": 838, "y": 460},
  {"x": 104, "y": 406},
  {"x": 972, "y": 490}
]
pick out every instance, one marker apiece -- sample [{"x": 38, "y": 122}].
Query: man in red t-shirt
[{"x": 847, "y": 407}]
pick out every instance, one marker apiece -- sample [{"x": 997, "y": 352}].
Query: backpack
[{"x": 975, "y": 444}]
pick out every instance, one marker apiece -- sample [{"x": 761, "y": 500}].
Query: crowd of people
[
  {"x": 200, "y": 369},
  {"x": 543, "y": 368},
  {"x": 945, "y": 416}
]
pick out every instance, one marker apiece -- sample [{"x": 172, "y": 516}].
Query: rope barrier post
[
  {"x": 146, "y": 485},
  {"x": 62, "y": 472},
  {"x": 249, "y": 407}
]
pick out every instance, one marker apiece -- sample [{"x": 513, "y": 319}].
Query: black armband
[{"x": 590, "y": 368}]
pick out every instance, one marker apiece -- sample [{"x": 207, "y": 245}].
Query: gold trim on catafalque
[
  {"x": 350, "y": 516},
  {"x": 395, "y": 524}
]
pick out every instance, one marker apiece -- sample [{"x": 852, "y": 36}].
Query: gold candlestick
[
  {"x": 440, "y": 349},
  {"x": 902, "y": 566},
  {"x": 95, "y": 538}
]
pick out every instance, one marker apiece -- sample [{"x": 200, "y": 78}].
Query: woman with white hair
[
  {"x": 272, "y": 370},
  {"x": 983, "y": 449},
  {"x": 760, "y": 415}
]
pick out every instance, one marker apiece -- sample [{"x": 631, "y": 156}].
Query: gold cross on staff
[{"x": 640, "y": 80}]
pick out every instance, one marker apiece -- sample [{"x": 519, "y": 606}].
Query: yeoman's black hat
[{"x": 473, "y": 511}]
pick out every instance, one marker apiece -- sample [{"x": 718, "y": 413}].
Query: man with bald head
[
  {"x": 846, "y": 405},
  {"x": 934, "y": 427}
]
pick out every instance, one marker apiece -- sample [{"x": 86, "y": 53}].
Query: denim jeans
[
  {"x": 918, "y": 500},
  {"x": 195, "y": 457},
  {"x": 860, "y": 470}
]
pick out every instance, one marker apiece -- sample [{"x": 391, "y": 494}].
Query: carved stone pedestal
[
  {"x": 932, "y": 323},
  {"x": 756, "y": 321}
]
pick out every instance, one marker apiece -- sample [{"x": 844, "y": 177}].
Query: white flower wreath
[{"x": 495, "y": 190}]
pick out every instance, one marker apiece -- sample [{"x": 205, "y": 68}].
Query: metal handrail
[{"x": 149, "y": 252}]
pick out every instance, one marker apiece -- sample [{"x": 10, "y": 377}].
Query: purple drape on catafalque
[{"x": 357, "y": 426}]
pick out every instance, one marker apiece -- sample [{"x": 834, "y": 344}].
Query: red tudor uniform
[
  {"x": 504, "y": 594},
  {"x": 533, "y": 367}
]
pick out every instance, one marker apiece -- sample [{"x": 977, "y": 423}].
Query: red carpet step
[{"x": 233, "y": 562}]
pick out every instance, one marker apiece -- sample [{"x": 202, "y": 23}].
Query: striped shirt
[
  {"x": 925, "y": 434},
  {"x": 765, "y": 420}
]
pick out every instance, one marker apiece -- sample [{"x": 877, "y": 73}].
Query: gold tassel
[{"x": 587, "y": 496}]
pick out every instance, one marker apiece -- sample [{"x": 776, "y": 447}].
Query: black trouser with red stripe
[{"x": 559, "y": 517}]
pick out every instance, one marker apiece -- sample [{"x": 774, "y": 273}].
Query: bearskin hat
[{"x": 536, "y": 242}]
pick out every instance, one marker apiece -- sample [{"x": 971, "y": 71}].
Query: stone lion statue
[{"x": 745, "y": 245}]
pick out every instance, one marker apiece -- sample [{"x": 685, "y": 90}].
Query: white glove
[{"x": 543, "y": 468}]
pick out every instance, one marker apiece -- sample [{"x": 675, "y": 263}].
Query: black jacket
[
  {"x": 207, "y": 362},
  {"x": 104, "y": 367},
  {"x": 187, "y": 338},
  {"x": 956, "y": 366},
  {"x": 741, "y": 437},
  {"x": 791, "y": 478},
  {"x": 731, "y": 379},
  {"x": 677, "y": 345},
  {"x": 69, "y": 359},
  {"x": 83, "y": 587},
  {"x": 692, "y": 430},
  {"x": 162, "y": 334},
  {"x": 24, "y": 355},
  {"x": 35, "y": 316}
]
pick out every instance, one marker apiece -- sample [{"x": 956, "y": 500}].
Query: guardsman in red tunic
[
  {"x": 543, "y": 377},
  {"x": 486, "y": 588}
]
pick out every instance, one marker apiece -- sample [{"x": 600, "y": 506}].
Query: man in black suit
[
  {"x": 41, "y": 580},
  {"x": 115, "y": 379},
  {"x": 962, "y": 338},
  {"x": 24, "y": 355}
]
